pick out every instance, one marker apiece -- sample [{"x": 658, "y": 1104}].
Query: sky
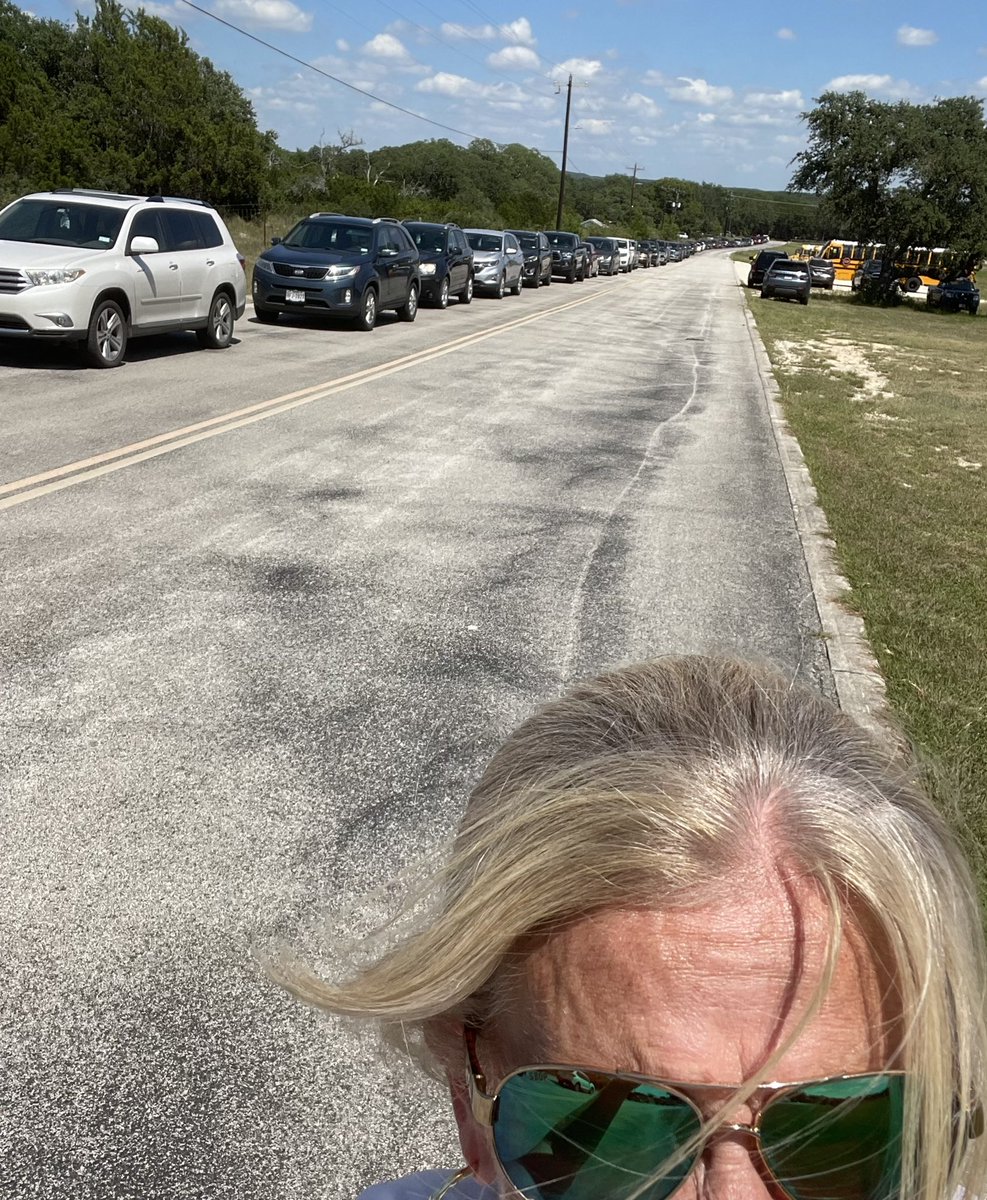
[{"x": 699, "y": 89}]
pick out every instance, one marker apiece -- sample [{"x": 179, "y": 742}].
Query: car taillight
[{"x": 241, "y": 259}]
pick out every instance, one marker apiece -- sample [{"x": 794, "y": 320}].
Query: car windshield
[
  {"x": 528, "y": 241},
  {"x": 428, "y": 238},
  {"x": 62, "y": 223},
  {"x": 821, "y": 263},
  {"x": 788, "y": 264},
  {"x": 960, "y": 285},
  {"x": 330, "y": 235},
  {"x": 566, "y": 240},
  {"x": 492, "y": 242}
]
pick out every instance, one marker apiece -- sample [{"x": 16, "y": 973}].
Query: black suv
[
  {"x": 759, "y": 265},
  {"x": 446, "y": 265},
  {"x": 332, "y": 265},
  {"x": 568, "y": 255},
  {"x": 537, "y": 250}
]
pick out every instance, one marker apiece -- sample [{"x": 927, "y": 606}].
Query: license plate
[{"x": 294, "y": 296}]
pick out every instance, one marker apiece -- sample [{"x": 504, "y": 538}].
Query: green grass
[{"x": 897, "y": 446}]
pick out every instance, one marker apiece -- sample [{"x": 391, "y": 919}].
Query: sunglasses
[{"x": 572, "y": 1133}]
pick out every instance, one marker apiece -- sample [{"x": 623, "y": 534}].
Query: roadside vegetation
[{"x": 888, "y": 405}]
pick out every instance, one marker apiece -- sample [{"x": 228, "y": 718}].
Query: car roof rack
[
  {"x": 95, "y": 193},
  {"x": 178, "y": 200},
  {"x": 333, "y": 214}
]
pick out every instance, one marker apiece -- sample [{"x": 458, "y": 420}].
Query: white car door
[
  {"x": 196, "y": 266},
  {"x": 156, "y": 278}
]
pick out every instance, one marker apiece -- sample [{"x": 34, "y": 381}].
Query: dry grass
[{"x": 890, "y": 407}]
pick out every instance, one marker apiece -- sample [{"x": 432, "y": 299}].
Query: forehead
[{"x": 711, "y": 994}]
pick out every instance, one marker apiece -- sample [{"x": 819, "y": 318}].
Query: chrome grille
[
  {"x": 11, "y": 281},
  {"x": 300, "y": 272}
]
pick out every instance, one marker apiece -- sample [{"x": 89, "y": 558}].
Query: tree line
[{"x": 121, "y": 102}]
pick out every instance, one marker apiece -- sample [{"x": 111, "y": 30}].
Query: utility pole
[
  {"x": 635, "y": 169},
  {"x": 565, "y": 150}
]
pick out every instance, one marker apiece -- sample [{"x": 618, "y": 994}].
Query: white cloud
[
  {"x": 698, "y": 91},
  {"x": 386, "y": 45},
  {"x": 444, "y": 83},
  {"x": 786, "y": 34},
  {"x": 981, "y": 84},
  {"x": 639, "y": 103},
  {"x": 513, "y": 58},
  {"x": 277, "y": 14},
  {"x": 518, "y": 32},
  {"x": 579, "y": 68},
  {"x": 706, "y": 118},
  {"x": 879, "y": 85},
  {"x": 790, "y": 99},
  {"x": 908, "y": 35},
  {"x": 594, "y": 126},
  {"x": 342, "y": 45}
]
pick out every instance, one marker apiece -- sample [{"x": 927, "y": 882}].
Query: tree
[{"x": 900, "y": 174}]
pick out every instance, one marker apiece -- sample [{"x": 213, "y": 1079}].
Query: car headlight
[
  {"x": 426, "y": 269},
  {"x": 55, "y": 275},
  {"x": 341, "y": 272},
  {"x": 263, "y": 265}
]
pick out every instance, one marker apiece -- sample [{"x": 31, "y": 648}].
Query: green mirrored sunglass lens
[
  {"x": 839, "y": 1140},
  {"x": 577, "y": 1135}
]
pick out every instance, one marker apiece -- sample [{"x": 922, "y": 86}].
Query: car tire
[
  {"x": 266, "y": 316},
  {"x": 218, "y": 333},
  {"x": 913, "y": 284},
  {"x": 106, "y": 340},
  {"x": 571, "y": 277},
  {"x": 516, "y": 288},
  {"x": 765, "y": 295},
  {"x": 501, "y": 288},
  {"x": 466, "y": 295},
  {"x": 409, "y": 310},
  {"x": 442, "y": 301},
  {"x": 548, "y": 279},
  {"x": 367, "y": 317},
  {"x": 803, "y": 299}
]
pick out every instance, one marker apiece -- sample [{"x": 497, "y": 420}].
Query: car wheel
[
  {"x": 571, "y": 277},
  {"x": 106, "y": 341},
  {"x": 443, "y": 298},
  {"x": 803, "y": 299},
  {"x": 409, "y": 310},
  {"x": 765, "y": 295},
  {"x": 501, "y": 288},
  {"x": 913, "y": 284},
  {"x": 266, "y": 316},
  {"x": 516, "y": 287},
  {"x": 548, "y": 279},
  {"x": 466, "y": 296},
  {"x": 218, "y": 333},
  {"x": 367, "y": 318}
]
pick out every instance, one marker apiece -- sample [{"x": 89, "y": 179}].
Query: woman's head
[{"x": 694, "y": 870}]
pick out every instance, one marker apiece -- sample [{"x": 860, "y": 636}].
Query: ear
[{"x": 473, "y": 1137}]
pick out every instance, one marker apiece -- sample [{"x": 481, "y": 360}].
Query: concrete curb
[{"x": 860, "y": 687}]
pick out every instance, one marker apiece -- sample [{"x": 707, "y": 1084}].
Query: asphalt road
[{"x": 251, "y": 669}]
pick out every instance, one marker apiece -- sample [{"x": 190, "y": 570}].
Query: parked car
[
  {"x": 498, "y": 262},
  {"x": 568, "y": 255},
  {"x": 337, "y": 266},
  {"x": 760, "y": 263},
  {"x": 787, "y": 279},
  {"x": 869, "y": 275},
  {"x": 98, "y": 268},
  {"x": 537, "y": 251},
  {"x": 635, "y": 255},
  {"x": 609, "y": 252},
  {"x": 822, "y": 272},
  {"x": 624, "y": 248},
  {"x": 592, "y": 260},
  {"x": 445, "y": 262},
  {"x": 954, "y": 295}
]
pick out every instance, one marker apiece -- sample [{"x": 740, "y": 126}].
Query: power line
[{"x": 335, "y": 78}]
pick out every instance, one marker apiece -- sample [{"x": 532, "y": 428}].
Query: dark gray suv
[
  {"x": 446, "y": 265},
  {"x": 336, "y": 266}
]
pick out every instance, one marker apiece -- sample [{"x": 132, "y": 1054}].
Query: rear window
[
  {"x": 485, "y": 241},
  {"x": 567, "y": 240}
]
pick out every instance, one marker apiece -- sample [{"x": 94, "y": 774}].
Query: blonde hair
[{"x": 643, "y": 787}]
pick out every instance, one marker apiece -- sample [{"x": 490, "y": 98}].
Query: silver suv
[{"x": 99, "y": 268}]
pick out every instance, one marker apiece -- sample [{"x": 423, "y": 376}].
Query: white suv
[{"x": 99, "y": 268}]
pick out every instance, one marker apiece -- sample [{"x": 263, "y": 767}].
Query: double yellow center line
[{"x": 20, "y": 491}]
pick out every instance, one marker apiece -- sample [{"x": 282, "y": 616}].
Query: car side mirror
[
  {"x": 387, "y": 252},
  {"x": 275, "y": 241},
  {"x": 144, "y": 245},
  {"x": 751, "y": 257}
]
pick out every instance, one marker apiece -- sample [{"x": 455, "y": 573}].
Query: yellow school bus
[{"x": 847, "y": 256}]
